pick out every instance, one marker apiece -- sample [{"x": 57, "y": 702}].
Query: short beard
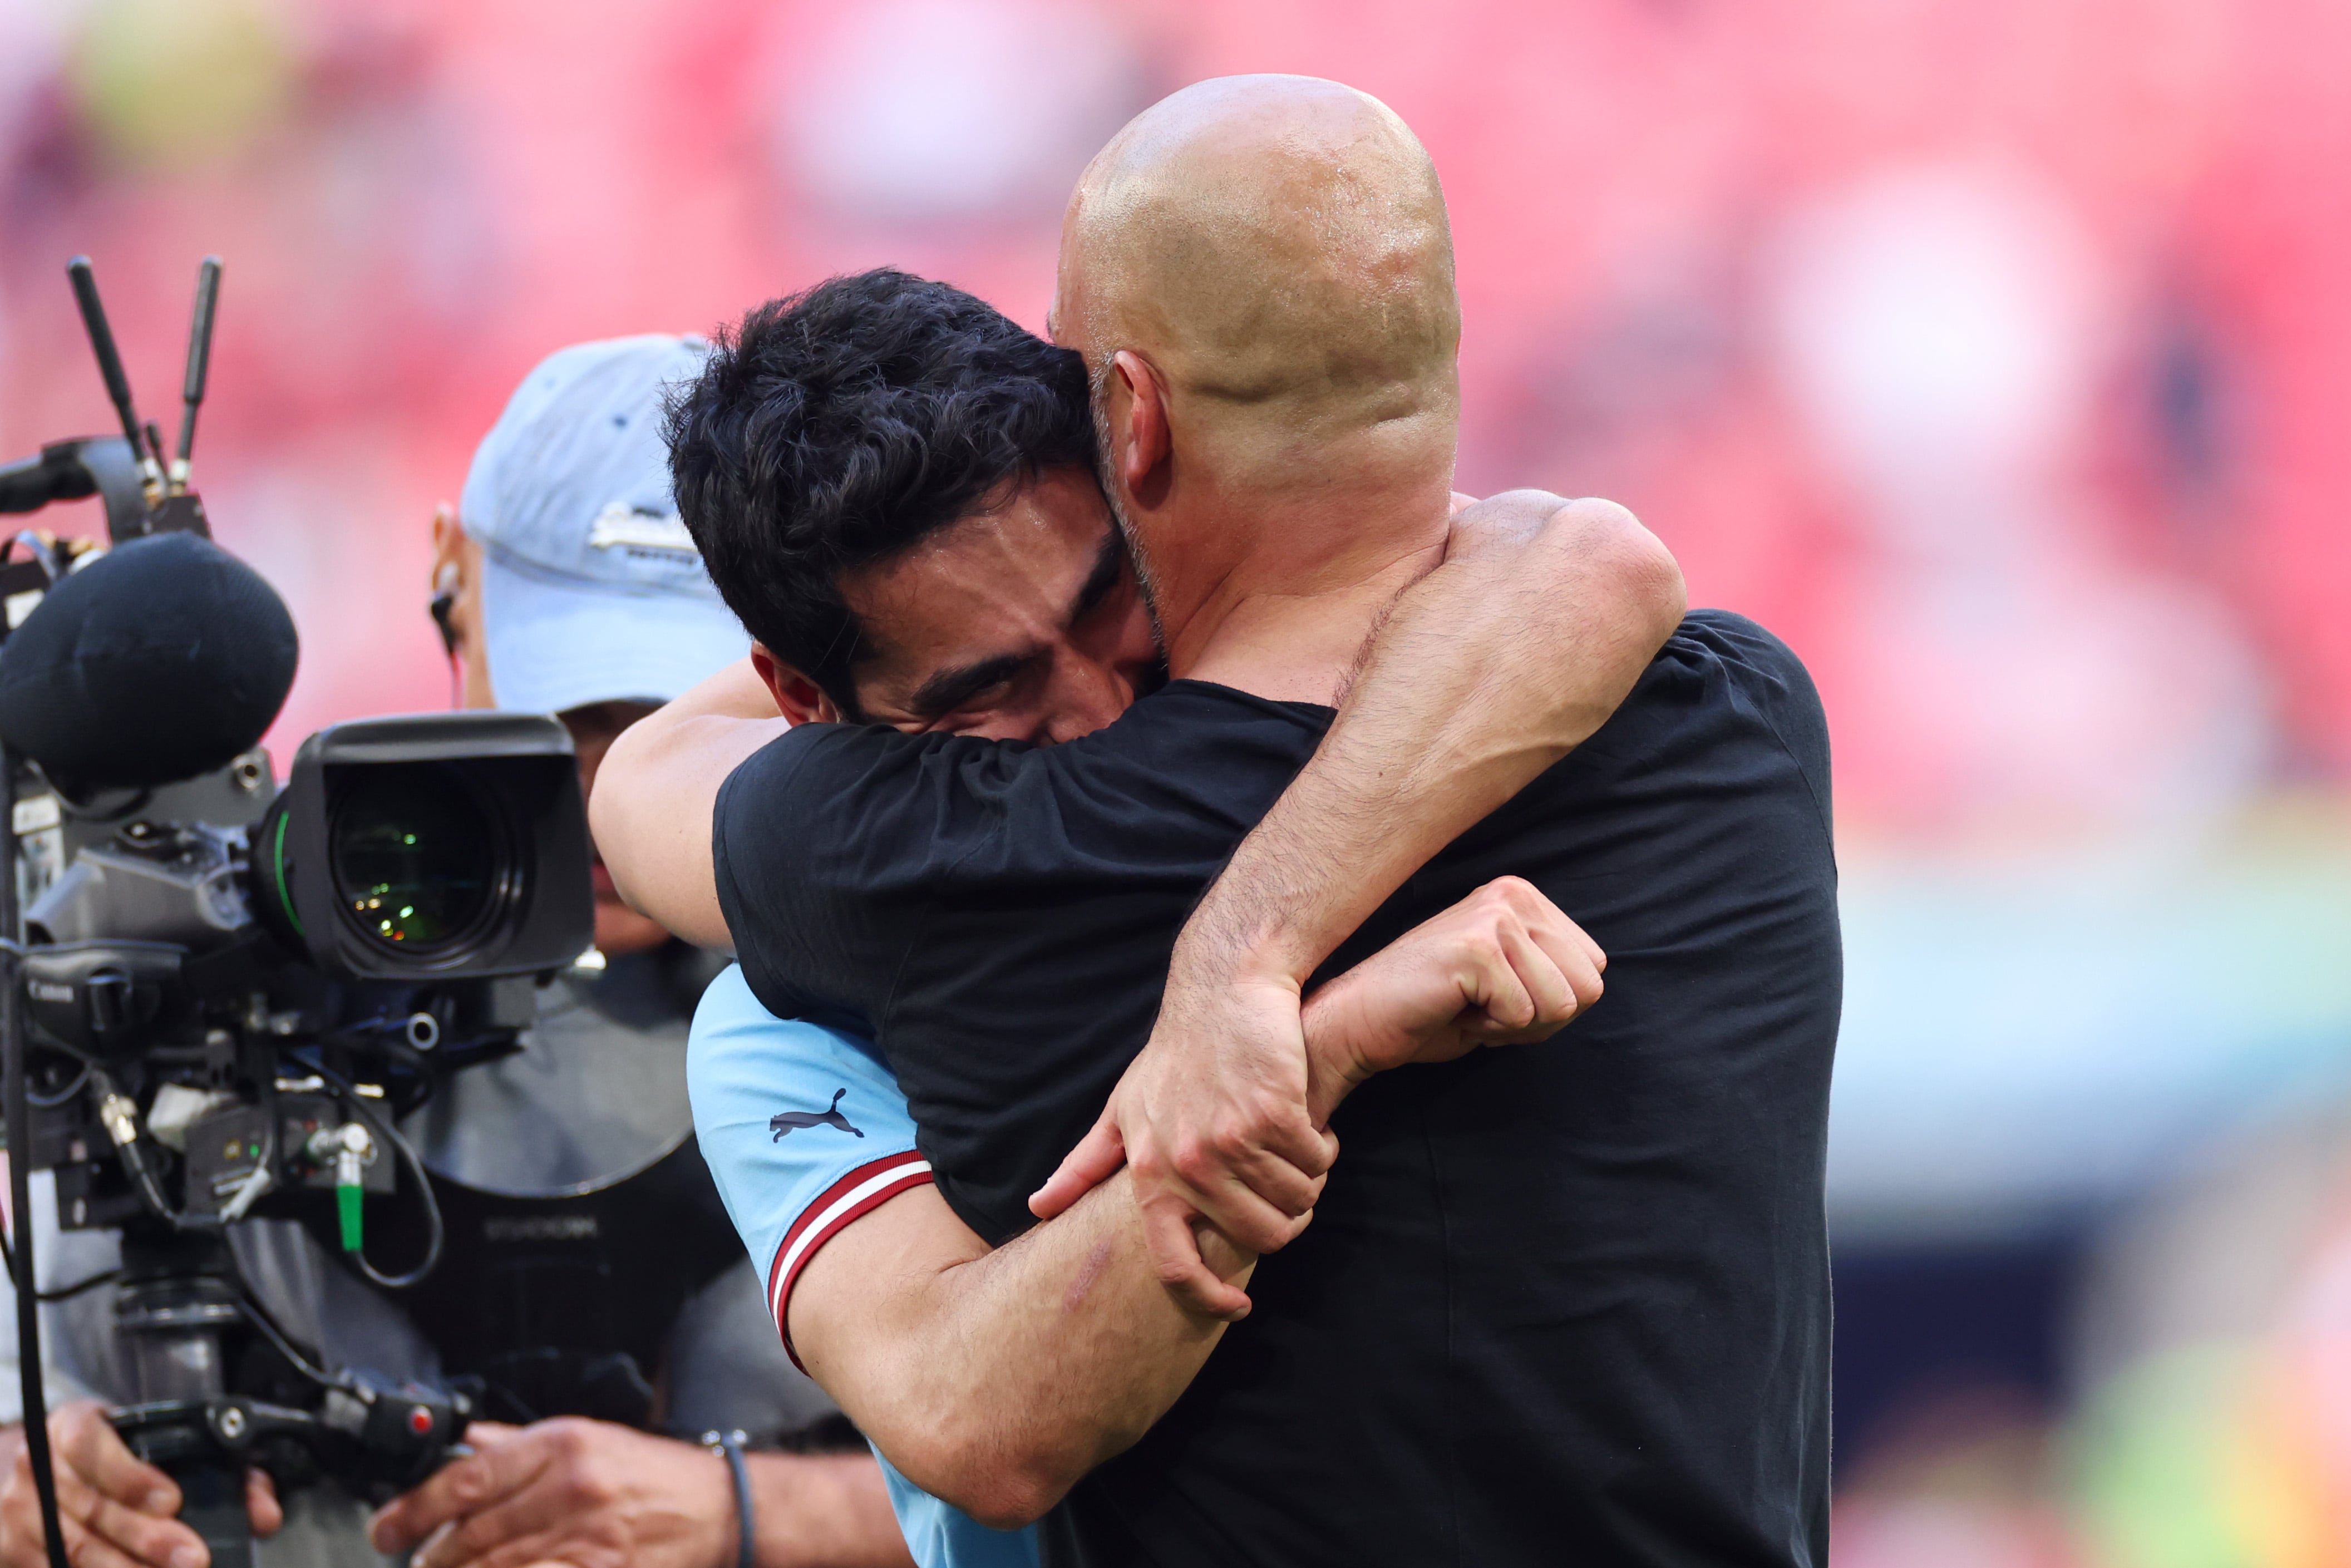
[{"x": 1098, "y": 406}]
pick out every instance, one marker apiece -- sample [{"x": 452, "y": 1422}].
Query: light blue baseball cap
[{"x": 591, "y": 588}]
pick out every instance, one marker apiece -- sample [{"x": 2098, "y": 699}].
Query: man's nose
[{"x": 1087, "y": 695}]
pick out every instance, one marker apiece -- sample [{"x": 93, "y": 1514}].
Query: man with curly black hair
[{"x": 842, "y": 428}]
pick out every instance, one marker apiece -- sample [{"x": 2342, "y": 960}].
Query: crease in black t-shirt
[{"x": 1560, "y": 1302}]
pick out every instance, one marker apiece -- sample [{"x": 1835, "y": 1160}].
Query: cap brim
[{"x": 553, "y": 647}]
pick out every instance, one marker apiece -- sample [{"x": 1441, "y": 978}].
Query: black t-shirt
[{"x": 1561, "y": 1304}]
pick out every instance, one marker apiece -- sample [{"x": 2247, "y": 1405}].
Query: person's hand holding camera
[
  {"x": 117, "y": 1513},
  {"x": 588, "y": 1494}
]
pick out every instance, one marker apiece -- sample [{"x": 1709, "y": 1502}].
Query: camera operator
[{"x": 591, "y": 1277}]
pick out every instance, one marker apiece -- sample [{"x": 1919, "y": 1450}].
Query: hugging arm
[
  {"x": 994, "y": 1380},
  {"x": 1512, "y": 652},
  {"x": 658, "y": 788},
  {"x": 1495, "y": 665}
]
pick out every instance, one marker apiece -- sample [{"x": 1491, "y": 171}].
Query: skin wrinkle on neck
[{"x": 1300, "y": 647}]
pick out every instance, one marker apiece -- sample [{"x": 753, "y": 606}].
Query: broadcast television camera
[{"x": 219, "y": 997}]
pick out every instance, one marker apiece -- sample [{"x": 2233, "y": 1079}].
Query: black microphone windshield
[{"x": 163, "y": 659}]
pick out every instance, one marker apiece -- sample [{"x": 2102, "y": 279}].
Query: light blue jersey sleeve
[{"x": 805, "y": 1133}]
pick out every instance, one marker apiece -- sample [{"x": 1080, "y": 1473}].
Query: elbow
[
  {"x": 1012, "y": 1503},
  {"x": 1643, "y": 576},
  {"x": 999, "y": 1480},
  {"x": 610, "y": 802},
  {"x": 1005, "y": 1496},
  {"x": 1653, "y": 583},
  {"x": 609, "y": 784}
]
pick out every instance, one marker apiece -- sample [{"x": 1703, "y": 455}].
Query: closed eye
[{"x": 948, "y": 690}]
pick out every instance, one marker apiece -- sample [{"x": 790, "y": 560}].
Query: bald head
[{"x": 1277, "y": 248}]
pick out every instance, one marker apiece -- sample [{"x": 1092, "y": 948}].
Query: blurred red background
[
  {"x": 417, "y": 200},
  {"x": 1997, "y": 353}
]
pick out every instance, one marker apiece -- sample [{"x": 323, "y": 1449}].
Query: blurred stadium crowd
[{"x": 1995, "y": 353}]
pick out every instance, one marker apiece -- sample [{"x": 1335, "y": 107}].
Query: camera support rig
[
  {"x": 220, "y": 998},
  {"x": 136, "y": 495}
]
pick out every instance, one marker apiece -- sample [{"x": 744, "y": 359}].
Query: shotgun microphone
[{"x": 164, "y": 658}]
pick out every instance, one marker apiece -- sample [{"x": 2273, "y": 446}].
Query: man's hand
[
  {"x": 116, "y": 1511},
  {"x": 1245, "y": 1153},
  {"x": 588, "y": 1494},
  {"x": 1503, "y": 967}
]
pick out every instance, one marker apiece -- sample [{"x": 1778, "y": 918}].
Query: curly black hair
[{"x": 840, "y": 426}]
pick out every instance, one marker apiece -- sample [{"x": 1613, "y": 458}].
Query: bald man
[{"x": 1559, "y": 1303}]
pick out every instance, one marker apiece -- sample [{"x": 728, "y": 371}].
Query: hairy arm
[
  {"x": 1488, "y": 670},
  {"x": 996, "y": 1379},
  {"x": 658, "y": 788},
  {"x": 1495, "y": 665}
]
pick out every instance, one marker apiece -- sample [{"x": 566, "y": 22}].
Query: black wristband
[{"x": 728, "y": 1446}]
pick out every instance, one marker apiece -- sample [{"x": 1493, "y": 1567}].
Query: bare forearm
[
  {"x": 657, "y": 789},
  {"x": 1070, "y": 1320},
  {"x": 1490, "y": 669},
  {"x": 999, "y": 1379},
  {"x": 823, "y": 1510},
  {"x": 1067, "y": 1330}
]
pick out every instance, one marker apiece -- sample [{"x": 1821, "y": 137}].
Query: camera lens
[{"x": 416, "y": 855}]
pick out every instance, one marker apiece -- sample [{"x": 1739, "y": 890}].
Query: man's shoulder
[
  {"x": 1764, "y": 675},
  {"x": 737, "y": 1046},
  {"x": 1167, "y": 724},
  {"x": 1732, "y": 641},
  {"x": 869, "y": 816},
  {"x": 1720, "y": 678},
  {"x": 1725, "y": 720},
  {"x": 821, "y": 754},
  {"x": 804, "y": 1130}
]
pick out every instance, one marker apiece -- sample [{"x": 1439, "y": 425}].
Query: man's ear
[
  {"x": 448, "y": 551},
  {"x": 1141, "y": 428},
  {"x": 448, "y": 577},
  {"x": 798, "y": 698}
]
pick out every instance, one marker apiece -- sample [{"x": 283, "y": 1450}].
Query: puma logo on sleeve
[{"x": 784, "y": 1121}]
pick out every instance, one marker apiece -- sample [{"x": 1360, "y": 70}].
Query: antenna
[
  {"x": 200, "y": 354},
  {"x": 109, "y": 366}
]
